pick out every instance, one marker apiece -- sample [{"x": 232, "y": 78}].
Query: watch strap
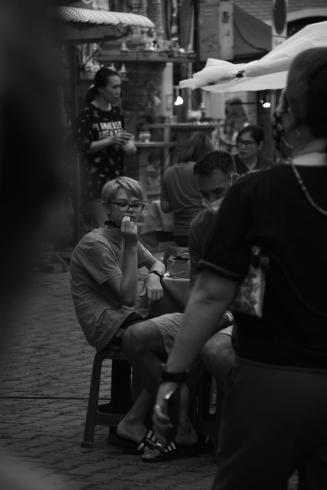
[
  {"x": 157, "y": 273},
  {"x": 173, "y": 377}
]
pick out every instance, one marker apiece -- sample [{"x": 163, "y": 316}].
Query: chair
[{"x": 111, "y": 413}]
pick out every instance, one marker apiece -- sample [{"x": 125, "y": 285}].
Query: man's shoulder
[{"x": 201, "y": 220}]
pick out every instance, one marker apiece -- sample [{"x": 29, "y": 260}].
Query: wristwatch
[
  {"x": 157, "y": 274},
  {"x": 172, "y": 377}
]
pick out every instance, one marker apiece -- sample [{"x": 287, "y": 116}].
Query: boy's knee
[{"x": 135, "y": 339}]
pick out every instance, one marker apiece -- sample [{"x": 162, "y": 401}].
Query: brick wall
[{"x": 262, "y": 8}]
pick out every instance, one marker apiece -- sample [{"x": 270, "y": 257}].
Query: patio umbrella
[{"x": 269, "y": 72}]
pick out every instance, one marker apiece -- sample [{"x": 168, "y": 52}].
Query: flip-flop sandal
[
  {"x": 171, "y": 450},
  {"x": 131, "y": 447}
]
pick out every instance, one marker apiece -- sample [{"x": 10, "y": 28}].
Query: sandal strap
[
  {"x": 149, "y": 440},
  {"x": 169, "y": 447}
]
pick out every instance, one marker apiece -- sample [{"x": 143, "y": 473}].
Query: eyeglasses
[
  {"x": 245, "y": 143},
  {"x": 126, "y": 206}
]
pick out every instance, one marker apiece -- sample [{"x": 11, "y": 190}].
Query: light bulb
[
  {"x": 266, "y": 104},
  {"x": 179, "y": 100}
]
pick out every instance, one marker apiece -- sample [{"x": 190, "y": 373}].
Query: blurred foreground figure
[
  {"x": 275, "y": 411},
  {"x": 30, "y": 183},
  {"x": 30, "y": 139}
]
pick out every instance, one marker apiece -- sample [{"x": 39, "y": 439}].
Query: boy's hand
[
  {"x": 153, "y": 287},
  {"x": 129, "y": 231}
]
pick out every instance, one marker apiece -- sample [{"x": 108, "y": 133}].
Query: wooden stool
[{"x": 108, "y": 414}]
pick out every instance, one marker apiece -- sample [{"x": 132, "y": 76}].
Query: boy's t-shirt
[{"x": 97, "y": 258}]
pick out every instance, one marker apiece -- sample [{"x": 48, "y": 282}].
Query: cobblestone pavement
[{"x": 44, "y": 382}]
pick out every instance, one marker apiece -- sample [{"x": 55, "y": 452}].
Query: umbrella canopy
[
  {"x": 269, "y": 72},
  {"x": 272, "y": 81},
  {"x": 85, "y": 25}
]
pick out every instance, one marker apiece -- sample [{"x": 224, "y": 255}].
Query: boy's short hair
[
  {"x": 256, "y": 132},
  {"x": 110, "y": 189},
  {"x": 215, "y": 160}
]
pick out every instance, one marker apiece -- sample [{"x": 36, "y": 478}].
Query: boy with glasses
[
  {"x": 249, "y": 144},
  {"x": 104, "y": 280}
]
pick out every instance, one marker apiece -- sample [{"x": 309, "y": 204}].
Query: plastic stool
[{"x": 107, "y": 414}]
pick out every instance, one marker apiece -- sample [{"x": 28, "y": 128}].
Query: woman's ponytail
[{"x": 91, "y": 93}]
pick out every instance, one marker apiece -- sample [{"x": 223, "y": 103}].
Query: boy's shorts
[{"x": 170, "y": 324}]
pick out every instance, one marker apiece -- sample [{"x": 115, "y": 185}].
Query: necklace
[{"x": 306, "y": 192}]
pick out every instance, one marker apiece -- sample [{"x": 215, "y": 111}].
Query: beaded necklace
[{"x": 306, "y": 192}]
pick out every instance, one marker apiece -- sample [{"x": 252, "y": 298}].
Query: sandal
[
  {"x": 171, "y": 450},
  {"x": 131, "y": 447}
]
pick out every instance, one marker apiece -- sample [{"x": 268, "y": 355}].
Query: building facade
[{"x": 298, "y": 10}]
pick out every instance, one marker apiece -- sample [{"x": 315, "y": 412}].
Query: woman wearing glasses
[{"x": 249, "y": 144}]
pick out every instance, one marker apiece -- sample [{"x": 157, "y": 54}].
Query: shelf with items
[{"x": 146, "y": 56}]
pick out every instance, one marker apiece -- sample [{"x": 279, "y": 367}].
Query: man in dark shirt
[
  {"x": 249, "y": 144},
  {"x": 213, "y": 176}
]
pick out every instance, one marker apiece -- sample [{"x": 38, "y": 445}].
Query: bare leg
[
  {"x": 143, "y": 346},
  {"x": 218, "y": 356},
  {"x": 133, "y": 425}
]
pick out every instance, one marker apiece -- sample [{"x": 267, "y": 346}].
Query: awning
[
  {"x": 85, "y": 25},
  {"x": 252, "y": 37}
]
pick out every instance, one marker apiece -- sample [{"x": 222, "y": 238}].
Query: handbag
[{"x": 250, "y": 296}]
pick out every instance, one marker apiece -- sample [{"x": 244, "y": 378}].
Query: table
[{"x": 176, "y": 293}]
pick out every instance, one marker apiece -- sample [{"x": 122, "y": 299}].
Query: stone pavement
[{"x": 44, "y": 382}]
